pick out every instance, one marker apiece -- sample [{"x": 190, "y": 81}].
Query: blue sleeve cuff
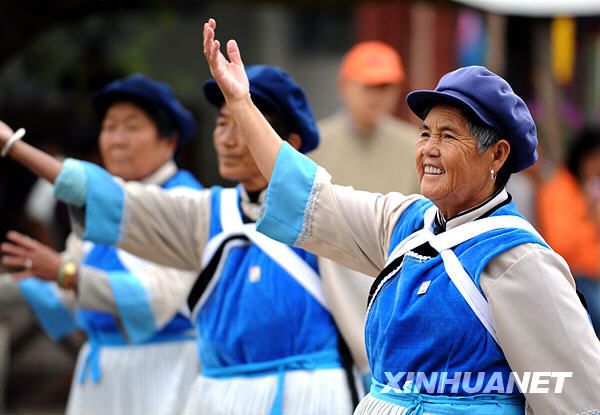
[
  {"x": 103, "y": 206},
  {"x": 287, "y": 195},
  {"x": 71, "y": 184},
  {"x": 43, "y": 299},
  {"x": 133, "y": 306}
]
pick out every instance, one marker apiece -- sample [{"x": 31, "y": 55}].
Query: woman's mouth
[{"x": 433, "y": 170}]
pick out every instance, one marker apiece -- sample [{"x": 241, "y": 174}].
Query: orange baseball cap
[{"x": 372, "y": 63}]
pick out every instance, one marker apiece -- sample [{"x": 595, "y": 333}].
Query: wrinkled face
[
  {"x": 233, "y": 155},
  {"x": 368, "y": 103},
  {"x": 130, "y": 145},
  {"x": 452, "y": 172}
]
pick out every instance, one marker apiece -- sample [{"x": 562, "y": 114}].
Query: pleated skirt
[
  {"x": 305, "y": 392},
  {"x": 152, "y": 379}
]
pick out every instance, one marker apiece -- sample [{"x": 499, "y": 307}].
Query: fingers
[
  {"x": 233, "y": 52},
  {"x": 22, "y": 240},
  {"x": 216, "y": 49},
  {"x": 209, "y": 36},
  {"x": 10, "y": 249},
  {"x": 13, "y": 261}
]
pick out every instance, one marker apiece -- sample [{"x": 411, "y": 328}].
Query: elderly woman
[
  {"x": 266, "y": 337},
  {"x": 466, "y": 291},
  {"x": 140, "y": 357}
]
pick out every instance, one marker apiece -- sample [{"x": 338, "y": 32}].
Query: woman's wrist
[
  {"x": 67, "y": 275},
  {"x": 6, "y": 145},
  {"x": 236, "y": 104}
]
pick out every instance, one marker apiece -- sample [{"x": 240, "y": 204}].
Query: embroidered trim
[
  {"x": 415, "y": 255},
  {"x": 308, "y": 212}
]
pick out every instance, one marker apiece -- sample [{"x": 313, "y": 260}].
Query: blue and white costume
[
  {"x": 266, "y": 340},
  {"x": 450, "y": 299},
  {"x": 140, "y": 356}
]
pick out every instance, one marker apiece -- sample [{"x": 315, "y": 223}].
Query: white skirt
[
  {"x": 136, "y": 380},
  {"x": 306, "y": 392},
  {"x": 370, "y": 405}
]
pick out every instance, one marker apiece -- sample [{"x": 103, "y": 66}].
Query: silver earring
[{"x": 493, "y": 175}]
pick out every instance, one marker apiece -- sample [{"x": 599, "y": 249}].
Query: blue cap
[
  {"x": 273, "y": 87},
  {"x": 491, "y": 100},
  {"x": 141, "y": 88}
]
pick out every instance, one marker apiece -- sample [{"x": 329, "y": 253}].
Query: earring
[{"x": 493, "y": 175}]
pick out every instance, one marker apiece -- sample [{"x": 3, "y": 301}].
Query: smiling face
[
  {"x": 130, "y": 145},
  {"x": 452, "y": 172},
  {"x": 234, "y": 157}
]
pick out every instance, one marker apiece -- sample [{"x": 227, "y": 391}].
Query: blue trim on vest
[
  {"x": 70, "y": 185},
  {"x": 291, "y": 182},
  {"x": 104, "y": 206},
  {"x": 215, "y": 211},
  {"x": 419, "y": 403},
  {"x": 56, "y": 319}
]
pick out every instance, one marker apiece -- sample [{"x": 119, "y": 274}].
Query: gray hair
[{"x": 486, "y": 136}]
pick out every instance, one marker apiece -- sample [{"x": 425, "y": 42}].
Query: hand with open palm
[{"x": 229, "y": 74}]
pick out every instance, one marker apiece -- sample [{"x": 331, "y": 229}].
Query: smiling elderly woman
[{"x": 466, "y": 291}]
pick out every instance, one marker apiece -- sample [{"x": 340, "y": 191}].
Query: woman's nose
[{"x": 431, "y": 147}]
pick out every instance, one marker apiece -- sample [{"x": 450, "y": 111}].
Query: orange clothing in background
[{"x": 564, "y": 222}]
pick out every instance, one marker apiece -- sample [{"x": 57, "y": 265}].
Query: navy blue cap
[
  {"x": 272, "y": 86},
  {"x": 151, "y": 92},
  {"x": 491, "y": 100}
]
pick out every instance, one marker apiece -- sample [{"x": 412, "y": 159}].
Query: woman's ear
[
  {"x": 500, "y": 152},
  {"x": 294, "y": 140}
]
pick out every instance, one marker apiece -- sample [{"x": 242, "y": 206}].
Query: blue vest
[
  {"x": 257, "y": 317},
  {"x": 437, "y": 331}
]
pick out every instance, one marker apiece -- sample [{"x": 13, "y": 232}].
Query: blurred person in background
[
  {"x": 569, "y": 215},
  {"x": 266, "y": 338},
  {"x": 140, "y": 356},
  {"x": 366, "y": 147}
]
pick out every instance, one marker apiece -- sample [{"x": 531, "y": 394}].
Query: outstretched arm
[
  {"x": 40, "y": 163},
  {"x": 263, "y": 141}
]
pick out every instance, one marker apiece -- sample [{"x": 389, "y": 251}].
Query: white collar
[
  {"x": 162, "y": 174},
  {"x": 473, "y": 213}
]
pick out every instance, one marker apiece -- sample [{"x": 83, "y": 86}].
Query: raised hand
[
  {"x": 33, "y": 257},
  {"x": 229, "y": 74}
]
